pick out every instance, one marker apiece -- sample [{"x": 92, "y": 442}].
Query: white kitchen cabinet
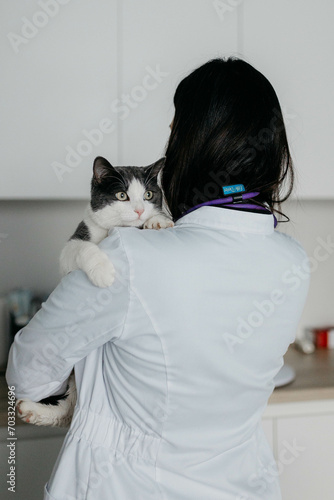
[
  {"x": 172, "y": 37},
  {"x": 58, "y": 81},
  {"x": 301, "y": 436},
  {"x": 36, "y": 451},
  {"x": 81, "y": 79},
  {"x": 36, "y": 460},
  {"x": 291, "y": 43},
  {"x": 306, "y": 457}
]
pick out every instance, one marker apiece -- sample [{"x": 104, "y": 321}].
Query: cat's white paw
[
  {"x": 29, "y": 411},
  {"x": 46, "y": 414},
  {"x": 59, "y": 414},
  {"x": 102, "y": 274},
  {"x": 158, "y": 222}
]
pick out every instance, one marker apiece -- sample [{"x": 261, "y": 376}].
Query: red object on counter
[{"x": 323, "y": 337}]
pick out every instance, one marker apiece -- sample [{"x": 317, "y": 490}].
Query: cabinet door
[
  {"x": 160, "y": 43},
  {"x": 58, "y": 81},
  {"x": 306, "y": 456},
  {"x": 35, "y": 459},
  {"x": 291, "y": 43}
]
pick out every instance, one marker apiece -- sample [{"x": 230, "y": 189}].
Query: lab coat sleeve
[{"x": 77, "y": 318}]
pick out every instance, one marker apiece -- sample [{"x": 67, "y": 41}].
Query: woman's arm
[{"x": 76, "y": 319}]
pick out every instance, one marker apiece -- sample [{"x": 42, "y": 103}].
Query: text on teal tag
[{"x": 235, "y": 188}]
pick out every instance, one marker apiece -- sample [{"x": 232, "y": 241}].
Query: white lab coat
[{"x": 174, "y": 363}]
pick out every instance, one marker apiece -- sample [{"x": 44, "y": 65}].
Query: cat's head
[{"x": 125, "y": 196}]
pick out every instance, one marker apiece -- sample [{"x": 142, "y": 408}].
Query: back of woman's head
[{"x": 228, "y": 128}]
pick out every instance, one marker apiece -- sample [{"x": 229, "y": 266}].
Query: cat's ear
[
  {"x": 102, "y": 169},
  {"x": 154, "y": 169}
]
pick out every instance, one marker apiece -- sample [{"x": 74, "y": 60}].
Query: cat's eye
[
  {"x": 148, "y": 195},
  {"x": 121, "y": 196}
]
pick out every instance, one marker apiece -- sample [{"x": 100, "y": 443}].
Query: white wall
[
  {"x": 37, "y": 230},
  {"x": 33, "y": 234},
  {"x": 311, "y": 223}
]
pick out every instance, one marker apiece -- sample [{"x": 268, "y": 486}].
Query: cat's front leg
[
  {"x": 82, "y": 252},
  {"x": 159, "y": 221},
  {"x": 95, "y": 263},
  {"x": 78, "y": 254}
]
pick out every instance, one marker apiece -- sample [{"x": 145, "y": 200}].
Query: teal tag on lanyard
[{"x": 235, "y": 188}]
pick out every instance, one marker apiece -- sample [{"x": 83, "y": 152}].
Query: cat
[{"x": 120, "y": 196}]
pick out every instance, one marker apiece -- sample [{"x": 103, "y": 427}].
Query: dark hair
[{"x": 228, "y": 128}]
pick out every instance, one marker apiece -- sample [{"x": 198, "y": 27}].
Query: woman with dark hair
[
  {"x": 228, "y": 129},
  {"x": 175, "y": 369}
]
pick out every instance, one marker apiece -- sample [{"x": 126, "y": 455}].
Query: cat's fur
[{"x": 104, "y": 212}]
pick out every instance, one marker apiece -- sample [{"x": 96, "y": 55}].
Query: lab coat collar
[{"x": 232, "y": 220}]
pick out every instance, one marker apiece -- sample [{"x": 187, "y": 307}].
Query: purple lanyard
[{"x": 235, "y": 202}]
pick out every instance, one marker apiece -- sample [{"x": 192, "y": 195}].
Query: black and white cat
[{"x": 120, "y": 196}]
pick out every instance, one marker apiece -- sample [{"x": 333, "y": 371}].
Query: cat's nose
[{"x": 139, "y": 211}]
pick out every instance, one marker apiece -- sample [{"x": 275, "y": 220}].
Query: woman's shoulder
[
  {"x": 123, "y": 241},
  {"x": 133, "y": 236},
  {"x": 289, "y": 243},
  {"x": 293, "y": 261}
]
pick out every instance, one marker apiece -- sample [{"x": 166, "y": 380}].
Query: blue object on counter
[
  {"x": 19, "y": 302},
  {"x": 22, "y": 307}
]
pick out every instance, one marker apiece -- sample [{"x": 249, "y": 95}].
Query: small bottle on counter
[{"x": 323, "y": 338}]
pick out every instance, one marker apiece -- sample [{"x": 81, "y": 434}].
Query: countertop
[
  {"x": 314, "y": 381},
  {"x": 314, "y": 377}
]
